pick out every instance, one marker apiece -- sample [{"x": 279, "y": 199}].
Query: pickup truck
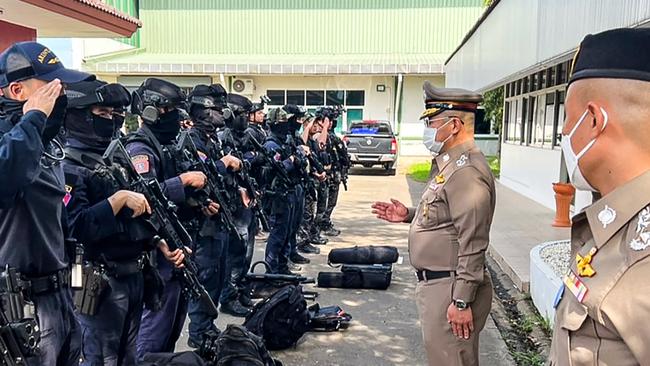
[{"x": 371, "y": 143}]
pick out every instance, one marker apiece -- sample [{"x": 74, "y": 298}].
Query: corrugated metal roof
[
  {"x": 111, "y": 10},
  {"x": 350, "y": 34}
]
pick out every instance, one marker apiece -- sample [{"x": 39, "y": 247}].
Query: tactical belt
[
  {"x": 124, "y": 268},
  {"x": 53, "y": 282},
  {"x": 426, "y": 275}
]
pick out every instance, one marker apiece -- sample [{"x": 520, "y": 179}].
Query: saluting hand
[
  {"x": 44, "y": 98},
  {"x": 462, "y": 321},
  {"x": 394, "y": 211}
]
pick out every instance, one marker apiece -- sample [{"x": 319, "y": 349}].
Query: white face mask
[
  {"x": 571, "y": 158},
  {"x": 429, "y": 139}
]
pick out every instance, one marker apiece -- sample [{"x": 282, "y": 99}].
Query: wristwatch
[{"x": 460, "y": 304}]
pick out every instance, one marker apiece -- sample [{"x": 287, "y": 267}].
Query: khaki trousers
[{"x": 443, "y": 348}]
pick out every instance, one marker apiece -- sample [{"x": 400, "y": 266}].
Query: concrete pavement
[{"x": 385, "y": 328}]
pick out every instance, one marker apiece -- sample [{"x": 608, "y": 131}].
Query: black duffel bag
[
  {"x": 363, "y": 255},
  {"x": 376, "y": 277}
]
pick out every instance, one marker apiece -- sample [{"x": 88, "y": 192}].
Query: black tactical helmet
[
  {"x": 96, "y": 92},
  {"x": 296, "y": 111},
  {"x": 156, "y": 93},
  {"x": 208, "y": 96}
]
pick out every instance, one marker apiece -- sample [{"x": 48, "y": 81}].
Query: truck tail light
[{"x": 393, "y": 146}]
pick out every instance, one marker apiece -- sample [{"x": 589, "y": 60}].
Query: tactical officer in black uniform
[
  {"x": 33, "y": 223},
  {"x": 207, "y": 105},
  {"x": 340, "y": 163},
  {"x": 103, "y": 219},
  {"x": 234, "y": 298},
  {"x": 152, "y": 150},
  {"x": 309, "y": 231}
]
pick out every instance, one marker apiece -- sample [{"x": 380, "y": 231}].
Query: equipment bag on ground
[
  {"x": 236, "y": 346},
  {"x": 173, "y": 359},
  {"x": 376, "y": 277},
  {"x": 282, "y": 319},
  {"x": 328, "y": 319},
  {"x": 363, "y": 255}
]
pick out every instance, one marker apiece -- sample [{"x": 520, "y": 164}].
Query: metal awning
[
  {"x": 69, "y": 18},
  {"x": 141, "y": 62}
]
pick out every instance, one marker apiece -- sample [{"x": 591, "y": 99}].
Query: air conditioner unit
[{"x": 242, "y": 86}]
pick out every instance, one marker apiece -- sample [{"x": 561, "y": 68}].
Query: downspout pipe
[{"x": 398, "y": 102}]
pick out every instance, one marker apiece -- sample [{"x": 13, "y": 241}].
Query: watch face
[{"x": 460, "y": 304}]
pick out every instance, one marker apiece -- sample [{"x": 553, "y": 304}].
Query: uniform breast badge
[
  {"x": 440, "y": 179},
  {"x": 584, "y": 263},
  {"x": 642, "y": 239},
  {"x": 607, "y": 216},
  {"x": 68, "y": 195},
  {"x": 575, "y": 285},
  {"x": 445, "y": 158}
]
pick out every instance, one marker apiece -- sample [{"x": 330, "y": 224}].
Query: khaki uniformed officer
[
  {"x": 450, "y": 230},
  {"x": 603, "y": 315}
]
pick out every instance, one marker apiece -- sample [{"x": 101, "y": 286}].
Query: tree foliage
[{"x": 493, "y": 104}]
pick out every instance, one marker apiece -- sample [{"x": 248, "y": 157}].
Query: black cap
[
  {"x": 295, "y": 110},
  {"x": 437, "y": 100},
  {"x": 96, "y": 92},
  {"x": 613, "y": 54},
  {"x": 32, "y": 60}
]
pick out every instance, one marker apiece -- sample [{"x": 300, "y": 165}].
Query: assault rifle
[
  {"x": 275, "y": 165},
  {"x": 304, "y": 174},
  {"x": 263, "y": 285},
  {"x": 215, "y": 187},
  {"x": 163, "y": 219}
]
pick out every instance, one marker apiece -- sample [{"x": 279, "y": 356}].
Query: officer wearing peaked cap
[
  {"x": 602, "y": 307},
  {"x": 450, "y": 230}
]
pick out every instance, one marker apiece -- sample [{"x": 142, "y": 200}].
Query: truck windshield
[{"x": 366, "y": 128}]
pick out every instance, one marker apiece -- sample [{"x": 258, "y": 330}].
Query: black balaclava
[
  {"x": 206, "y": 120},
  {"x": 90, "y": 129},
  {"x": 167, "y": 127}
]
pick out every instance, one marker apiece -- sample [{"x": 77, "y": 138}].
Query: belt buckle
[{"x": 55, "y": 281}]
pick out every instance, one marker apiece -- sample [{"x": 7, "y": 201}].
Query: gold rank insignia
[
  {"x": 440, "y": 179},
  {"x": 584, "y": 263}
]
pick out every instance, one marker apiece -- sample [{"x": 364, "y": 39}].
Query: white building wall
[
  {"x": 413, "y": 103},
  {"x": 531, "y": 171},
  {"x": 524, "y": 34}
]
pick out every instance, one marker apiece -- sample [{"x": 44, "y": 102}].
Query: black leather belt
[
  {"x": 126, "y": 268},
  {"x": 55, "y": 281},
  {"x": 426, "y": 275}
]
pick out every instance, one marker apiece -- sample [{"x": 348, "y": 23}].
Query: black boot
[
  {"x": 234, "y": 308},
  {"x": 318, "y": 240},
  {"x": 331, "y": 231},
  {"x": 308, "y": 248},
  {"x": 298, "y": 259},
  {"x": 209, "y": 336}
]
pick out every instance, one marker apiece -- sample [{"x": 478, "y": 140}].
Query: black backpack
[
  {"x": 188, "y": 358},
  {"x": 329, "y": 318},
  {"x": 282, "y": 319},
  {"x": 236, "y": 346}
]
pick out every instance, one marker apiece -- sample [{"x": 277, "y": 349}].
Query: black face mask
[
  {"x": 167, "y": 128},
  {"x": 281, "y": 128},
  {"x": 206, "y": 120},
  {"x": 10, "y": 106},
  {"x": 239, "y": 122},
  {"x": 92, "y": 130},
  {"x": 55, "y": 120}
]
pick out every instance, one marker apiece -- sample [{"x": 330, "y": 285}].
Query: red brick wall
[{"x": 12, "y": 33}]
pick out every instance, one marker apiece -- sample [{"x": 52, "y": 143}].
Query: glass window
[
  {"x": 560, "y": 117},
  {"x": 541, "y": 79},
  {"x": 518, "y": 86},
  {"x": 296, "y": 97},
  {"x": 533, "y": 82},
  {"x": 506, "y": 120},
  {"x": 531, "y": 112},
  {"x": 334, "y": 97},
  {"x": 276, "y": 96},
  {"x": 538, "y": 123},
  {"x": 524, "y": 88},
  {"x": 550, "y": 77},
  {"x": 315, "y": 97},
  {"x": 355, "y": 97},
  {"x": 561, "y": 73},
  {"x": 549, "y": 116},
  {"x": 518, "y": 120}
]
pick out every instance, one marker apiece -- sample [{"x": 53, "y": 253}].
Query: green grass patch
[
  {"x": 419, "y": 172},
  {"x": 495, "y": 165}
]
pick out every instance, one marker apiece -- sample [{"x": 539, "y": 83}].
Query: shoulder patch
[
  {"x": 462, "y": 160},
  {"x": 68, "y": 195},
  {"x": 141, "y": 163}
]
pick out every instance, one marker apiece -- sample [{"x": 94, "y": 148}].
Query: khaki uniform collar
[
  {"x": 453, "y": 154},
  {"x": 625, "y": 201}
]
